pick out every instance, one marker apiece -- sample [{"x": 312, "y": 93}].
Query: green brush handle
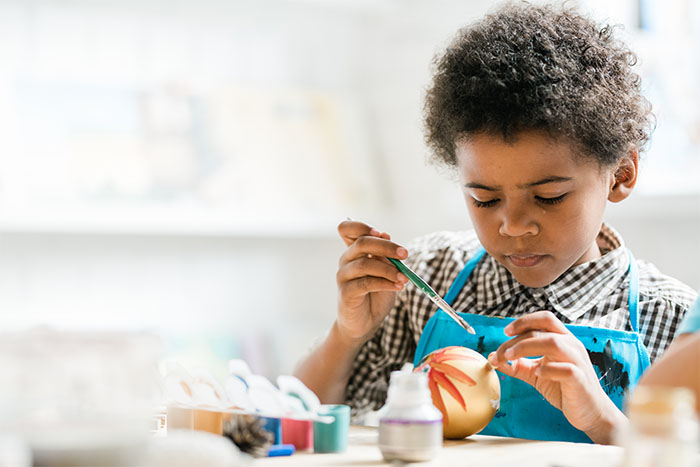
[
  {"x": 413, "y": 277},
  {"x": 434, "y": 297}
]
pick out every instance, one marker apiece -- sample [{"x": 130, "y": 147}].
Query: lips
[{"x": 525, "y": 260}]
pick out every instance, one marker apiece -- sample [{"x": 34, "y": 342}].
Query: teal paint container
[{"x": 332, "y": 437}]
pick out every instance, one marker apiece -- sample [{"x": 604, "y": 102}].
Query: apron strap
[
  {"x": 633, "y": 292},
  {"x": 463, "y": 276}
]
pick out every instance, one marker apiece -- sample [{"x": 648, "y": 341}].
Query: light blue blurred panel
[{"x": 78, "y": 106}]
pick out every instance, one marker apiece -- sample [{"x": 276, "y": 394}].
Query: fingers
[
  {"x": 537, "y": 321},
  {"x": 540, "y": 334},
  {"x": 375, "y": 233},
  {"x": 363, "y": 267},
  {"x": 350, "y": 231},
  {"x": 368, "y": 284},
  {"x": 559, "y": 371},
  {"x": 556, "y": 347},
  {"x": 370, "y": 267},
  {"x": 530, "y": 370},
  {"x": 523, "y": 368},
  {"x": 363, "y": 240},
  {"x": 373, "y": 246}
]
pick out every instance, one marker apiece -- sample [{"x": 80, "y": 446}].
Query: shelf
[{"x": 160, "y": 221}]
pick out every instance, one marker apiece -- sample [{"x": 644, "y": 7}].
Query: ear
[{"x": 624, "y": 177}]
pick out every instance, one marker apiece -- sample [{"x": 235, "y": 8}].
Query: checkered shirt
[{"x": 594, "y": 293}]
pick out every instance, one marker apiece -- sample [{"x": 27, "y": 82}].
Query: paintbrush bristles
[{"x": 249, "y": 434}]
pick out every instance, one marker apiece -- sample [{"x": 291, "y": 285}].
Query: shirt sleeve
[
  {"x": 666, "y": 302},
  {"x": 691, "y": 320},
  {"x": 387, "y": 351}
]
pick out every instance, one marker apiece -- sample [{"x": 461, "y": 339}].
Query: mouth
[{"x": 524, "y": 260}]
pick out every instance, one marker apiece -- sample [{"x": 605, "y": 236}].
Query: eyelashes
[
  {"x": 539, "y": 199},
  {"x": 485, "y": 204},
  {"x": 555, "y": 200}
]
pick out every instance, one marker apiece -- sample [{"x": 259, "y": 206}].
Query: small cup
[
  {"x": 274, "y": 426},
  {"x": 300, "y": 433},
  {"x": 332, "y": 437}
]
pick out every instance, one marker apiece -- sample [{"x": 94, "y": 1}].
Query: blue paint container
[{"x": 274, "y": 426}]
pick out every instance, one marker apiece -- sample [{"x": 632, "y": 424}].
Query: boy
[{"x": 540, "y": 114}]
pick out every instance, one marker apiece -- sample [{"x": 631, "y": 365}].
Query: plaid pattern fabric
[{"x": 595, "y": 293}]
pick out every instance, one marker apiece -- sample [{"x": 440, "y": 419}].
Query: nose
[{"x": 516, "y": 221}]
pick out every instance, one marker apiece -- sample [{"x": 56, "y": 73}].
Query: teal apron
[{"x": 619, "y": 358}]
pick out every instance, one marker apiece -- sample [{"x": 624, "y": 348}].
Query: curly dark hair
[{"x": 538, "y": 67}]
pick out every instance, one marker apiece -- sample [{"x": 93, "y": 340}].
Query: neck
[{"x": 593, "y": 252}]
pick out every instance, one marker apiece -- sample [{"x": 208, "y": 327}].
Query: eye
[
  {"x": 555, "y": 200},
  {"x": 485, "y": 204}
]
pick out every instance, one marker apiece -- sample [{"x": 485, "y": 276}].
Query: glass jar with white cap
[{"x": 410, "y": 426}]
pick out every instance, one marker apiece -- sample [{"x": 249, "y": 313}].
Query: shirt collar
[{"x": 573, "y": 293}]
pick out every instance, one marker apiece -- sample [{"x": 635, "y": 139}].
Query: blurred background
[{"x": 181, "y": 166}]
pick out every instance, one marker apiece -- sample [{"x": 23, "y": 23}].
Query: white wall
[{"x": 268, "y": 297}]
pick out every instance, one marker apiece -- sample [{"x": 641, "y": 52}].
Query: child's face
[{"x": 535, "y": 207}]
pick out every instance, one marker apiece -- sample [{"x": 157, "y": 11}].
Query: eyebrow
[{"x": 543, "y": 181}]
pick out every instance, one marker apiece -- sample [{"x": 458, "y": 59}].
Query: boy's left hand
[{"x": 563, "y": 373}]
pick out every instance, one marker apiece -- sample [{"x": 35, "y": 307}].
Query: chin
[
  {"x": 532, "y": 281},
  {"x": 535, "y": 277}
]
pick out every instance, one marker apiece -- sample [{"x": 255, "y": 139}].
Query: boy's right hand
[{"x": 367, "y": 281}]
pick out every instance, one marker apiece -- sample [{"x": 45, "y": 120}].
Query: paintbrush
[{"x": 431, "y": 294}]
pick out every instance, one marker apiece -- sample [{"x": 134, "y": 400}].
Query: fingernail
[
  {"x": 374, "y": 232},
  {"x": 492, "y": 359},
  {"x": 401, "y": 277},
  {"x": 508, "y": 353},
  {"x": 537, "y": 371},
  {"x": 508, "y": 330},
  {"x": 401, "y": 252}
]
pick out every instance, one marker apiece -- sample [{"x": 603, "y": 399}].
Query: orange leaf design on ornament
[
  {"x": 437, "y": 398},
  {"x": 452, "y": 353},
  {"x": 453, "y": 372},
  {"x": 445, "y": 383},
  {"x": 439, "y": 356}
]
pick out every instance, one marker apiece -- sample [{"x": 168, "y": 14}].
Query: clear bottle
[
  {"x": 410, "y": 426},
  {"x": 662, "y": 430}
]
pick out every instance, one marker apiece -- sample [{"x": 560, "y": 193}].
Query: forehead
[{"x": 528, "y": 155}]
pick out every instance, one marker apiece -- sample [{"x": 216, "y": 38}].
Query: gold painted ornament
[{"x": 464, "y": 387}]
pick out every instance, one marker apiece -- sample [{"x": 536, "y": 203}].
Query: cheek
[
  {"x": 483, "y": 222},
  {"x": 476, "y": 214},
  {"x": 588, "y": 211},
  {"x": 578, "y": 225}
]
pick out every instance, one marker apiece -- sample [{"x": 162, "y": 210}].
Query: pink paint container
[{"x": 300, "y": 433}]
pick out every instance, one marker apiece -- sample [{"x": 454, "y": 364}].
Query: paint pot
[
  {"x": 274, "y": 426},
  {"x": 662, "y": 430},
  {"x": 410, "y": 426},
  {"x": 332, "y": 437},
  {"x": 300, "y": 433}
]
